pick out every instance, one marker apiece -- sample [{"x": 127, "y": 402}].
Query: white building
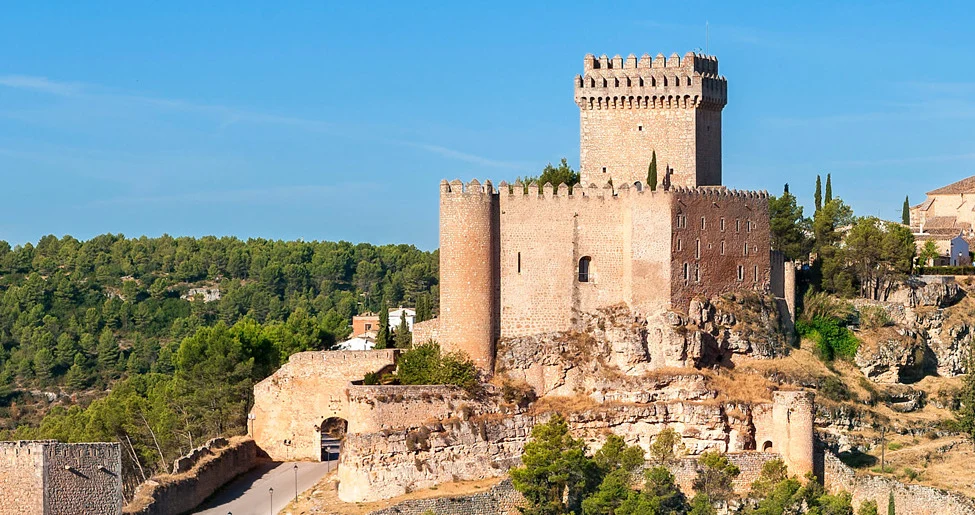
[{"x": 396, "y": 317}]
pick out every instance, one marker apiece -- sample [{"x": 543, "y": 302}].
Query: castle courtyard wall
[{"x": 312, "y": 386}]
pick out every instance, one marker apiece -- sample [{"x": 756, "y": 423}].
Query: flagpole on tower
[{"x": 707, "y": 38}]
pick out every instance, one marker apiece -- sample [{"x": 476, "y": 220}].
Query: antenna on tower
[{"x": 707, "y": 38}]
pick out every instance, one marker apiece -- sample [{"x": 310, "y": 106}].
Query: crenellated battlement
[
  {"x": 651, "y": 83},
  {"x": 518, "y": 190},
  {"x": 692, "y": 62}
]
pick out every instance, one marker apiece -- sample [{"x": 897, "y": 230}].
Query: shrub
[
  {"x": 895, "y": 446},
  {"x": 832, "y": 340},
  {"x": 834, "y": 389},
  {"x": 519, "y": 393},
  {"x": 822, "y": 305},
  {"x": 873, "y": 317},
  {"x": 427, "y": 364}
]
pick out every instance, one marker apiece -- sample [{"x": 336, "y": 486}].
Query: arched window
[
  {"x": 767, "y": 446},
  {"x": 584, "y": 269}
]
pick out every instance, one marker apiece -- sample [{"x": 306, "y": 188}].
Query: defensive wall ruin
[
  {"x": 52, "y": 478},
  {"x": 291, "y": 405}
]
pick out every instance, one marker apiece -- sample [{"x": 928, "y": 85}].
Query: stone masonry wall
[
  {"x": 392, "y": 462},
  {"x": 173, "y": 495},
  {"x": 55, "y": 478},
  {"x": 723, "y": 242},
  {"x": 501, "y": 499},
  {"x": 468, "y": 270},
  {"x": 428, "y": 330},
  {"x": 82, "y": 478},
  {"x": 912, "y": 499},
  {"x": 749, "y": 463},
  {"x": 374, "y": 408},
  {"x": 21, "y": 478},
  {"x": 631, "y": 108},
  {"x": 311, "y": 387}
]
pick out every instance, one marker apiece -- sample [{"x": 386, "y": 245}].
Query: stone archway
[
  {"x": 332, "y": 432},
  {"x": 767, "y": 446}
]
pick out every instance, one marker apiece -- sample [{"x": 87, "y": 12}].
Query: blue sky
[{"x": 337, "y": 120}]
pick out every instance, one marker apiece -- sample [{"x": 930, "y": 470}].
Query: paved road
[{"x": 248, "y": 494}]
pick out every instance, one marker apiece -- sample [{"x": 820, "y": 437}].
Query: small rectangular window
[
  {"x": 678, "y": 245},
  {"x": 741, "y": 273},
  {"x": 756, "y": 273},
  {"x": 604, "y": 169},
  {"x": 519, "y": 262},
  {"x": 721, "y": 223},
  {"x": 639, "y": 127},
  {"x": 722, "y": 247},
  {"x": 697, "y": 250},
  {"x": 748, "y": 226},
  {"x": 746, "y": 248},
  {"x": 703, "y": 223},
  {"x": 686, "y": 271},
  {"x": 697, "y": 273},
  {"x": 737, "y": 225}
]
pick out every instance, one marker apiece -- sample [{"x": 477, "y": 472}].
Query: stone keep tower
[{"x": 631, "y": 108}]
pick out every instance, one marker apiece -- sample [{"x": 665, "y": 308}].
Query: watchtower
[{"x": 631, "y": 108}]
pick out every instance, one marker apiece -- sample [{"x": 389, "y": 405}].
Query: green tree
[
  {"x": 788, "y": 227},
  {"x": 829, "y": 189},
  {"x": 928, "y": 253},
  {"x": 652, "y": 173},
  {"x": 108, "y": 351},
  {"x": 554, "y": 175},
  {"x": 666, "y": 447},
  {"x": 906, "y": 212},
  {"x": 890, "y": 504},
  {"x": 965, "y": 414},
  {"x": 556, "y": 473},
  {"x": 818, "y": 196},
  {"x": 884, "y": 255},
  {"x": 403, "y": 338},
  {"x": 868, "y": 508},
  {"x": 79, "y": 376},
  {"x": 384, "y": 339},
  {"x": 714, "y": 477}
]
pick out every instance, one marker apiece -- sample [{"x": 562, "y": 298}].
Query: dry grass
[
  {"x": 947, "y": 463},
  {"x": 564, "y": 405},
  {"x": 323, "y": 499}
]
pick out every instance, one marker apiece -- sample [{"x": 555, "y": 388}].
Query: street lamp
[
  {"x": 296, "y": 483},
  {"x": 270, "y": 492}
]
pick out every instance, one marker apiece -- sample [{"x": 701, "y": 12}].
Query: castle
[
  {"x": 528, "y": 264},
  {"x": 517, "y": 260}
]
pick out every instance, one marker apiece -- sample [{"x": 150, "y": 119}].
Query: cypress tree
[
  {"x": 818, "y": 196},
  {"x": 383, "y": 338},
  {"x": 890, "y": 503},
  {"x": 829, "y": 189},
  {"x": 652, "y": 172},
  {"x": 403, "y": 337},
  {"x": 906, "y": 212},
  {"x": 786, "y": 189}
]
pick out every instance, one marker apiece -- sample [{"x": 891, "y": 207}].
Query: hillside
[{"x": 163, "y": 337}]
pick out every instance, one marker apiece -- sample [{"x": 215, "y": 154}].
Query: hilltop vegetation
[{"x": 113, "y": 313}]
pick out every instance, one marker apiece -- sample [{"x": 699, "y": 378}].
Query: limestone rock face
[
  {"x": 615, "y": 343},
  {"x": 893, "y": 358},
  {"x": 932, "y": 328}
]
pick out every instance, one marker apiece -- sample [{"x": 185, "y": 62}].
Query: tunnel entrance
[{"x": 332, "y": 431}]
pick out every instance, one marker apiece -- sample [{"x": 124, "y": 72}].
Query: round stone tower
[{"x": 469, "y": 285}]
